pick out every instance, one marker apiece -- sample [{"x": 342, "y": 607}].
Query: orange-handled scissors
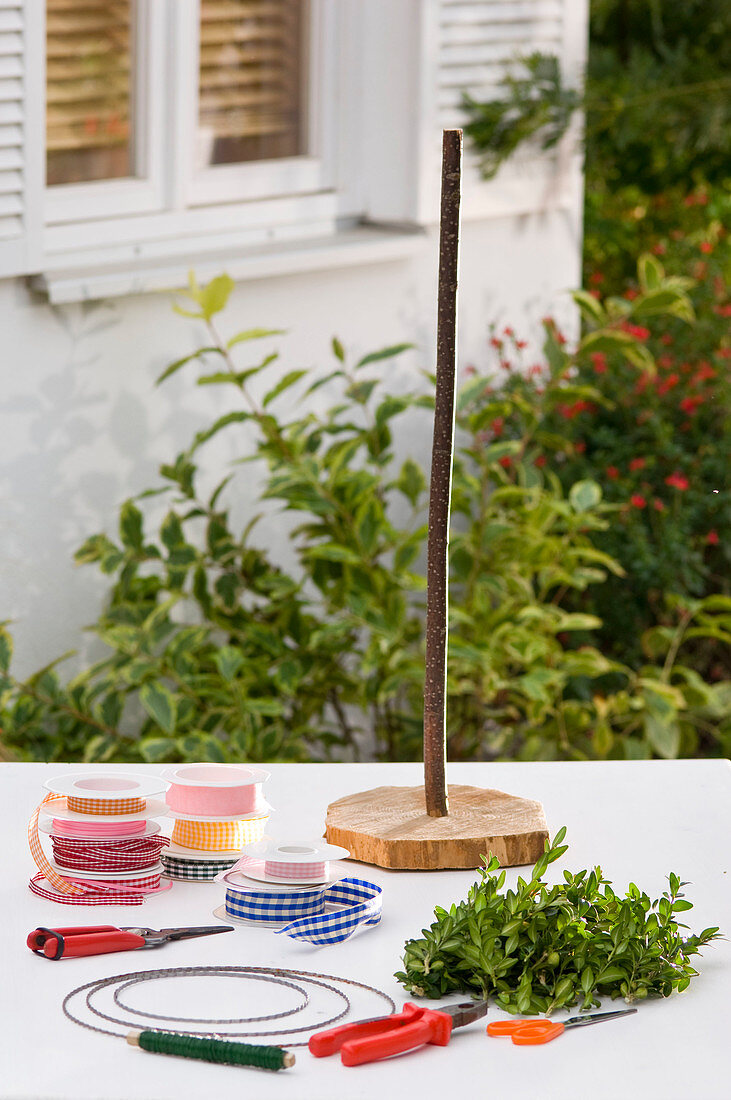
[{"x": 528, "y": 1033}]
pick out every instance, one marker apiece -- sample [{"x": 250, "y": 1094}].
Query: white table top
[{"x": 639, "y": 821}]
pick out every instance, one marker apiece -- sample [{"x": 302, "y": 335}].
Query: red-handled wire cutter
[
  {"x": 382, "y": 1036},
  {"x": 55, "y": 943}
]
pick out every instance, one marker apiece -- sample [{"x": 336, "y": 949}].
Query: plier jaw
[{"x": 465, "y": 1012}]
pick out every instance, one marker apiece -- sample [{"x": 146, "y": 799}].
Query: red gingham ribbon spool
[
  {"x": 105, "y": 805},
  {"x": 107, "y": 856},
  {"x": 139, "y": 885}
]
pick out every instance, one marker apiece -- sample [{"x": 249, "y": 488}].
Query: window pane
[
  {"x": 252, "y": 65},
  {"x": 89, "y": 90}
]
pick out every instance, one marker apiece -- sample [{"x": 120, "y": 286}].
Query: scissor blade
[
  {"x": 597, "y": 1017},
  {"x": 191, "y": 933}
]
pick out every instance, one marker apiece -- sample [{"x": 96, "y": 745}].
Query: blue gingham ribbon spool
[{"x": 304, "y": 913}]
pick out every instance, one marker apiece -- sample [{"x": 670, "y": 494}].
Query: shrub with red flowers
[{"x": 643, "y": 407}]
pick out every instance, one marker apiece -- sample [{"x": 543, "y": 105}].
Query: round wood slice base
[{"x": 389, "y": 827}]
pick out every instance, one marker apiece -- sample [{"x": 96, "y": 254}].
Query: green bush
[{"x": 215, "y": 652}]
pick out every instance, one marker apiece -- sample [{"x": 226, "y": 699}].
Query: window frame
[
  {"x": 144, "y": 193},
  {"x": 165, "y": 143}
]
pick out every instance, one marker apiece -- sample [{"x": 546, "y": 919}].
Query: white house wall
[{"x": 82, "y": 426}]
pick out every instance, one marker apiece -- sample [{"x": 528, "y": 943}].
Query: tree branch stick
[{"x": 435, "y": 686}]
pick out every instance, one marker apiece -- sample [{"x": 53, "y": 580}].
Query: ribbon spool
[
  {"x": 114, "y": 795},
  {"x": 84, "y": 843},
  {"x": 303, "y": 912},
  {"x": 218, "y": 836},
  {"x": 215, "y": 790},
  {"x": 304, "y": 863},
  {"x": 185, "y": 865}
]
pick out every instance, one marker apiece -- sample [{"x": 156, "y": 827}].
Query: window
[{"x": 139, "y": 138}]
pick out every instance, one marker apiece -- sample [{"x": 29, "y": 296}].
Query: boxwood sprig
[{"x": 539, "y": 947}]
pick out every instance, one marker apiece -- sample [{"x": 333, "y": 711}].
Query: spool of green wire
[{"x": 212, "y": 1050}]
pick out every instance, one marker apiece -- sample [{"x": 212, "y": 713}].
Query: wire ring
[
  {"x": 202, "y": 1020},
  {"x": 275, "y": 975}
]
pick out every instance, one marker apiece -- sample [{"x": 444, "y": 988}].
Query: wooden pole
[{"x": 435, "y": 681}]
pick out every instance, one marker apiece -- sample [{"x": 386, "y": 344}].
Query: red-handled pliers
[
  {"x": 370, "y": 1040},
  {"x": 55, "y": 943}
]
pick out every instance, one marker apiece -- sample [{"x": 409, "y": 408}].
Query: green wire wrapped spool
[{"x": 212, "y": 1050}]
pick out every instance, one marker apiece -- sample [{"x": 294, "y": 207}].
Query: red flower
[
  {"x": 612, "y": 473},
  {"x": 506, "y": 364},
  {"x": 677, "y": 481},
  {"x": 496, "y": 343},
  {"x": 631, "y": 293},
  {"x": 497, "y": 425},
  {"x": 560, "y": 338},
  {"x": 704, "y": 373},
  {"x": 580, "y": 447},
  {"x": 521, "y": 344},
  {"x": 690, "y": 404},
  {"x": 507, "y": 331},
  {"x": 666, "y": 360},
  {"x": 658, "y": 505},
  {"x": 669, "y": 383},
  {"x": 599, "y": 360},
  {"x": 506, "y": 462},
  {"x": 535, "y": 369},
  {"x": 706, "y": 247},
  {"x": 723, "y": 311},
  {"x": 723, "y": 353},
  {"x": 638, "y": 331},
  {"x": 659, "y": 249},
  {"x": 596, "y": 278},
  {"x": 712, "y": 538},
  {"x": 637, "y": 501},
  {"x": 540, "y": 460},
  {"x": 568, "y": 412},
  {"x": 666, "y": 339},
  {"x": 469, "y": 371},
  {"x": 638, "y": 463}
]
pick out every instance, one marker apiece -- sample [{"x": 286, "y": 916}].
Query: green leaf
[
  {"x": 130, "y": 525},
  {"x": 338, "y": 350},
  {"x": 650, "y": 272},
  {"x": 585, "y": 495},
  {"x": 155, "y": 749},
  {"x": 663, "y": 734},
  {"x": 229, "y": 660},
  {"x": 159, "y": 703},
  {"x": 384, "y": 353},
  {"x": 411, "y": 481},
  {"x": 213, "y": 297},
  {"x": 6, "y": 649},
  {"x": 283, "y": 384},
  {"x": 175, "y": 367},
  {"x": 253, "y": 334},
  {"x": 590, "y": 307}
]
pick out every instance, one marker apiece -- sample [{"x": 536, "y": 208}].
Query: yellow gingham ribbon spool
[
  {"x": 102, "y": 806},
  {"x": 218, "y": 836}
]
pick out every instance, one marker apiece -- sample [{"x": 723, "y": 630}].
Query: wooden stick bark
[{"x": 435, "y": 685}]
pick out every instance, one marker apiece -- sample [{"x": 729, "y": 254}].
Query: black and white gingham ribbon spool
[{"x": 194, "y": 870}]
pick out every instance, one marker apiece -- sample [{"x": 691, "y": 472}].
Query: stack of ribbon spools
[
  {"x": 105, "y": 841},
  {"x": 218, "y": 809},
  {"x": 294, "y": 887}
]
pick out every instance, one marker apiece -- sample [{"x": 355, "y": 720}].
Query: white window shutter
[
  {"x": 478, "y": 42},
  {"x": 22, "y": 142}
]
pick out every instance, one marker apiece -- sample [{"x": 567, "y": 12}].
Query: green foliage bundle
[
  {"x": 215, "y": 652},
  {"x": 541, "y": 947}
]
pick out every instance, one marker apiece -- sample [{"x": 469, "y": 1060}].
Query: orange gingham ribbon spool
[
  {"x": 218, "y": 836},
  {"x": 103, "y": 806}
]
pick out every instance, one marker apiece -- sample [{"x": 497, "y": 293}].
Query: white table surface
[{"x": 639, "y": 821}]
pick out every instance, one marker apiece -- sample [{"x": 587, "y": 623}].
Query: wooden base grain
[{"x": 389, "y": 827}]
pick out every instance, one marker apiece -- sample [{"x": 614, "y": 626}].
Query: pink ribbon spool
[
  {"x": 298, "y": 871},
  {"x": 215, "y": 790},
  {"x": 99, "y": 829}
]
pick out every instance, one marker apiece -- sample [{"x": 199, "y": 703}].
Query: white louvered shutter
[
  {"x": 22, "y": 71},
  {"x": 479, "y": 42}
]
